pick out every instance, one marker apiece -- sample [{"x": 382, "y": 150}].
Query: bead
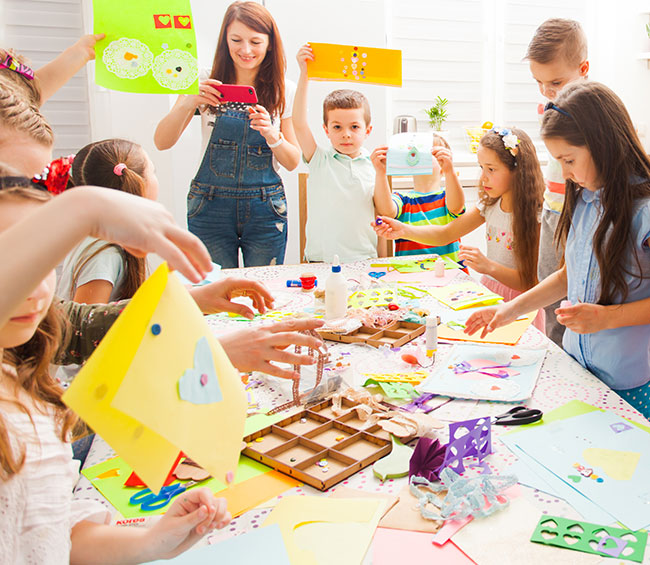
[{"x": 156, "y": 329}]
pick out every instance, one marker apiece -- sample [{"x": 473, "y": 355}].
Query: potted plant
[{"x": 437, "y": 115}]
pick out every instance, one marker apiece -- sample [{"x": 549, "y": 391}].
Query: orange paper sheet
[
  {"x": 245, "y": 496},
  {"x": 354, "y": 63}
]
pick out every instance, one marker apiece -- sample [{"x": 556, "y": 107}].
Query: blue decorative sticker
[{"x": 200, "y": 384}]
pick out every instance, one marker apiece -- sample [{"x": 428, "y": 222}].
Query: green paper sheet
[
  {"x": 113, "y": 489},
  {"x": 150, "y": 46}
]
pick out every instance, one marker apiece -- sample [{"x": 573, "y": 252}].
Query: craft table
[{"x": 561, "y": 379}]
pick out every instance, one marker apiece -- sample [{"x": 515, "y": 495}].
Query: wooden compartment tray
[
  {"x": 395, "y": 335},
  {"x": 318, "y": 448}
]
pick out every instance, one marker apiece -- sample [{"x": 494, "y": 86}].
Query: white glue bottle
[
  {"x": 431, "y": 336},
  {"x": 336, "y": 292},
  {"x": 439, "y": 268}
]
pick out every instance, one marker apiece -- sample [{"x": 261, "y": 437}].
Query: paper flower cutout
[
  {"x": 200, "y": 384},
  {"x": 427, "y": 459}
]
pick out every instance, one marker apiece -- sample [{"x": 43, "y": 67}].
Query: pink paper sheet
[{"x": 401, "y": 546}]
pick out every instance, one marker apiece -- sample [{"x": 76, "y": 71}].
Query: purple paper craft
[
  {"x": 465, "y": 367},
  {"x": 619, "y": 427},
  {"x": 477, "y": 442},
  {"x": 611, "y": 551},
  {"x": 427, "y": 458},
  {"x": 420, "y": 403}
]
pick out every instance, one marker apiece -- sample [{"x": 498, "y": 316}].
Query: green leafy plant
[{"x": 437, "y": 113}]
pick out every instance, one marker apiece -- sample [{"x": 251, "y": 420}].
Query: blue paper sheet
[
  {"x": 597, "y": 456},
  {"x": 262, "y": 545}
]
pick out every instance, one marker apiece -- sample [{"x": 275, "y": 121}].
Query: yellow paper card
[
  {"x": 353, "y": 63},
  {"x": 324, "y": 531},
  {"x": 506, "y": 335},
  {"x": 128, "y": 391}
]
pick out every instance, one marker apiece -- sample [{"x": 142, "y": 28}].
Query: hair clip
[
  {"x": 510, "y": 140},
  {"x": 119, "y": 169},
  {"x": 551, "y": 106},
  {"x": 11, "y": 64}
]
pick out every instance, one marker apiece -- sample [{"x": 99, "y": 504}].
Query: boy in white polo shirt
[{"x": 340, "y": 206}]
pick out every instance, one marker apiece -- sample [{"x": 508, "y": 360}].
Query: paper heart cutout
[
  {"x": 200, "y": 385},
  {"x": 164, "y": 20},
  {"x": 575, "y": 478},
  {"x": 184, "y": 20},
  {"x": 618, "y": 465},
  {"x": 571, "y": 540}
]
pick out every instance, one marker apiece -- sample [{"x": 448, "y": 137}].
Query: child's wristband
[{"x": 277, "y": 143}]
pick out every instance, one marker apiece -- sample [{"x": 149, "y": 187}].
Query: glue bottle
[
  {"x": 439, "y": 267},
  {"x": 336, "y": 292},
  {"x": 431, "y": 336}
]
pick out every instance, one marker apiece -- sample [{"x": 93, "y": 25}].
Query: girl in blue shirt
[{"x": 606, "y": 226}]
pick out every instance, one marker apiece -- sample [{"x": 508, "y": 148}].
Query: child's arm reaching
[
  {"x": 137, "y": 224},
  {"x": 550, "y": 290},
  {"x": 97, "y": 291},
  {"x": 430, "y": 235},
  {"x": 382, "y": 197},
  {"x": 300, "y": 124},
  {"x": 474, "y": 259},
  {"x": 586, "y": 318},
  {"x": 192, "y": 515},
  {"x": 454, "y": 195},
  {"x": 56, "y": 73}
]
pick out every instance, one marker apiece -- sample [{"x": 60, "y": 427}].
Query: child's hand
[
  {"x": 192, "y": 514},
  {"x": 474, "y": 259},
  {"x": 140, "y": 226},
  {"x": 261, "y": 121},
  {"x": 253, "y": 349},
  {"x": 304, "y": 55},
  {"x": 378, "y": 159},
  {"x": 216, "y": 296},
  {"x": 583, "y": 318},
  {"x": 86, "y": 45},
  {"x": 489, "y": 319},
  {"x": 444, "y": 158},
  {"x": 389, "y": 228}
]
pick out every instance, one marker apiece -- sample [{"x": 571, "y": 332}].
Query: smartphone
[{"x": 237, "y": 93}]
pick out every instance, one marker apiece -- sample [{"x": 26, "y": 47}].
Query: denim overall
[{"x": 237, "y": 199}]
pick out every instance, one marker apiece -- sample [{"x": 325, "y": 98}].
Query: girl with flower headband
[
  {"x": 96, "y": 271},
  {"x": 605, "y": 224},
  {"x": 510, "y": 201}
]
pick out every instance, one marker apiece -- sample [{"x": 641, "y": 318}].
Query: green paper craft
[
  {"x": 396, "y": 463},
  {"x": 372, "y": 297},
  {"x": 113, "y": 489},
  {"x": 411, "y": 266},
  {"x": 402, "y": 391},
  {"x": 150, "y": 46},
  {"x": 591, "y": 538}
]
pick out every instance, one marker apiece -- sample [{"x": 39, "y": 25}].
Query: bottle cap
[{"x": 336, "y": 267}]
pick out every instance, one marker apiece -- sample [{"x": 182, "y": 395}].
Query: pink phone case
[{"x": 237, "y": 93}]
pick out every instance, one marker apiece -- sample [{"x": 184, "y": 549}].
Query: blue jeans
[
  {"x": 237, "y": 201},
  {"x": 254, "y": 220}
]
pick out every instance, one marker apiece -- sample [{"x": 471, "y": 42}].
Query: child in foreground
[
  {"x": 605, "y": 224},
  {"x": 427, "y": 204},
  {"x": 40, "y": 521},
  {"x": 510, "y": 200},
  {"x": 341, "y": 177}
]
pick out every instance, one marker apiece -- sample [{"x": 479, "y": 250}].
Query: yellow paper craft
[
  {"x": 326, "y": 531},
  {"x": 372, "y": 297},
  {"x": 505, "y": 335},
  {"x": 412, "y": 377},
  {"x": 149, "y": 392},
  {"x": 353, "y": 63}
]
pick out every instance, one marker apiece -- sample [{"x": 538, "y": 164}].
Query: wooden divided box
[
  {"x": 318, "y": 448},
  {"x": 395, "y": 335}
]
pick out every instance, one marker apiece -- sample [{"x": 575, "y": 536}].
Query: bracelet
[{"x": 277, "y": 143}]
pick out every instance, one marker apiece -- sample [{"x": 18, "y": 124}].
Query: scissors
[
  {"x": 150, "y": 501},
  {"x": 518, "y": 416}
]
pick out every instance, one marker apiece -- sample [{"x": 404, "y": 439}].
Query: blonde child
[
  {"x": 97, "y": 271},
  {"x": 40, "y": 521},
  {"x": 426, "y": 204},
  {"x": 510, "y": 200},
  {"x": 557, "y": 55},
  {"x": 605, "y": 224},
  {"x": 341, "y": 177}
]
